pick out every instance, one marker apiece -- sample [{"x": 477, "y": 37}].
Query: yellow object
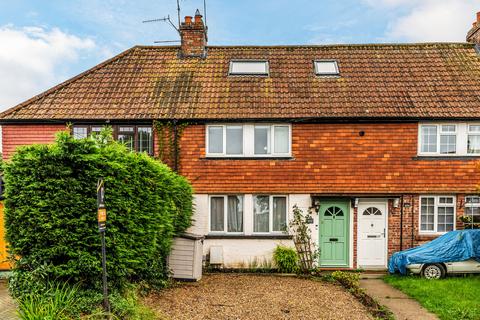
[
  {"x": 102, "y": 215},
  {"x": 4, "y": 264}
]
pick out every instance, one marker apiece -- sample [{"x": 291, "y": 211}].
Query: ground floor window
[
  {"x": 136, "y": 137},
  {"x": 269, "y": 213},
  {"x": 472, "y": 210},
  {"x": 437, "y": 214},
  {"x": 226, "y": 213},
  {"x": 247, "y": 214}
]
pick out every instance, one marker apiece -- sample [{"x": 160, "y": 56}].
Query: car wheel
[{"x": 433, "y": 271}]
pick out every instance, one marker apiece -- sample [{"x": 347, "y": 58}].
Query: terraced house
[{"x": 381, "y": 141}]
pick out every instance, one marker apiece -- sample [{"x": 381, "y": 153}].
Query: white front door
[{"x": 372, "y": 235}]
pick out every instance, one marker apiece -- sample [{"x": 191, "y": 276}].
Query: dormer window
[
  {"x": 248, "y": 68},
  {"x": 326, "y": 68}
]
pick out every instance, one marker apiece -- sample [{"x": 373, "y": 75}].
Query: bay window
[
  {"x": 437, "y": 214},
  {"x": 248, "y": 140},
  {"x": 449, "y": 139},
  {"x": 226, "y": 214}
]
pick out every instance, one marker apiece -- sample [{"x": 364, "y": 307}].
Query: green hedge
[{"x": 50, "y": 213}]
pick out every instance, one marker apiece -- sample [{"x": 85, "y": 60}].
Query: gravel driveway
[{"x": 240, "y": 296}]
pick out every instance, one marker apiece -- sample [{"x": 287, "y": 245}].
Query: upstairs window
[
  {"x": 449, "y": 139},
  {"x": 136, "y": 138},
  {"x": 473, "y": 139},
  {"x": 248, "y": 68},
  {"x": 80, "y": 132},
  {"x": 225, "y": 140},
  {"x": 248, "y": 140},
  {"x": 326, "y": 68},
  {"x": 272, "y": 140}
]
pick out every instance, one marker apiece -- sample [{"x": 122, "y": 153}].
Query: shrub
[
  {"x": 50, "y": 214},
  {"x": 53, "y": 303},
  {"x": 347, "y": 279},
  {"x": 286, "y": 259}
]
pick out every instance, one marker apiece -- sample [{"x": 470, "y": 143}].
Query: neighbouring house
[{"x": 381, "y": 141}]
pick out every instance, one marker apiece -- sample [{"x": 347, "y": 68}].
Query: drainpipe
[
  {"x": 401, "y": 225},
  {"x": 413, "y": 220},
  {"x": 175, "y": 146}
]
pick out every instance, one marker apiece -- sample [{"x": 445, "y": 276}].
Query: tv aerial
[{"x": 176, "y": 27}]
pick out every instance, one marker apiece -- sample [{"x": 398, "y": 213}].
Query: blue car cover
[{"x": 453, "y": 246}]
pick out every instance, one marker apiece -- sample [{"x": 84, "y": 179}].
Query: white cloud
[
  {"x": 428, "y": 20},
  {"x": 33, "y": 59}
]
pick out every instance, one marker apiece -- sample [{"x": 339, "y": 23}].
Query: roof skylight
[
  {"x": 249, "y": 67},
  {"x": 326, "y": 68}
]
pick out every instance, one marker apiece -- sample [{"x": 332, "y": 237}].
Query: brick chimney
[
  {"x": 473, "y": 35},
  {"x": 193, "y": 36}
]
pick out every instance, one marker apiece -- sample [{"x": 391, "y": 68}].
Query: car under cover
[{"x": 453, "y": 246}]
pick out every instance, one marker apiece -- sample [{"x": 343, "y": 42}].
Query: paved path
[
  {"x": 7, "y": 307},
  {"x": 402, "y": 306}
]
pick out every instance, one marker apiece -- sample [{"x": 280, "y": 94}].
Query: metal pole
[{"x": 106, "y": 304}]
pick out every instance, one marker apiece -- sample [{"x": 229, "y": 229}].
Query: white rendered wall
[{"x": 242, "y": 253}]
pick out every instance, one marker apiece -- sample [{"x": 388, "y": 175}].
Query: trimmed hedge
[{"x": 50, "y": 213}]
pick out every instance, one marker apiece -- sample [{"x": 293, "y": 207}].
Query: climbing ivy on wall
[{"x": 168, "y": 145}]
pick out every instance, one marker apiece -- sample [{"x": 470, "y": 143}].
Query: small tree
[{"x": 302, "y": 238}]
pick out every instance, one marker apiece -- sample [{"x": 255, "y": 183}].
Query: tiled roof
[{"x": 376, "y": 81}]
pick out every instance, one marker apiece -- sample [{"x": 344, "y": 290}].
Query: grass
[
  {"x": 53, "y": 304},
  {"x": 451, "y": 298}
]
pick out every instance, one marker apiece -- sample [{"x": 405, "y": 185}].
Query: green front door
[{"x": 334, "y": 239}]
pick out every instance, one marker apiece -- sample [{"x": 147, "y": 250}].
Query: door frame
[
  {"x": 349, "y": 229},
  {"x": 367, "y": 201}
]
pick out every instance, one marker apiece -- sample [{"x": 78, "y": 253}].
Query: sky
[{"x": 45, "y": 42}]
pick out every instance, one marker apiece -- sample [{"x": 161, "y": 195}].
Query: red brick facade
[
  {"x": 18, "y": 135},
  {"x": 327, "y": 159},
  {"x": 332, "y": 159}
]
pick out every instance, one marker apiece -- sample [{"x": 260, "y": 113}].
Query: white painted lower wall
[{"x": 245, "y": 252}]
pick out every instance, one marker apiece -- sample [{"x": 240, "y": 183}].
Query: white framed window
[
  {"x": 80, "y": 132},
  {"x": 225, "y": 140},
  {"x": 437, "y": 214},
  {"x": 472, "y": 210},
  {"x": 326, "y": 68},
  {"x": 136, "y": 138},
  {"x": 226, "y": 214},
  {"x": 248, "y": 68},
  {"x": 449, "y": 139},
  {"x": 269, "y": 213},
  {"x": 473, "y": 143},
  {"x": 248, "y": 140}
]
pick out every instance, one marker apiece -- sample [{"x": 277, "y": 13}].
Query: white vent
[{"x": 216, "y": 255}]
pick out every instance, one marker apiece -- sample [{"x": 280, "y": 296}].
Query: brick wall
[
  {"x": 193, "y": 37},
  {"x": 332, "y": 159},
  {"x": 14, "y": 135}
]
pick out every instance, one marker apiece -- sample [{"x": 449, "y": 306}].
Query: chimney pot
[
  {"x": 193, "y": 37},
  {"x": 198, "y": 19},
  {"x": 478, "y": 17}
]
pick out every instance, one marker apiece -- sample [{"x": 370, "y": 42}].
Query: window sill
[
  {"x": 252, "y": 237},
  {"x": 429, "y": 236},
  {"x": 248, "y": 158},
  {"x": 438, "y": 157}
]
